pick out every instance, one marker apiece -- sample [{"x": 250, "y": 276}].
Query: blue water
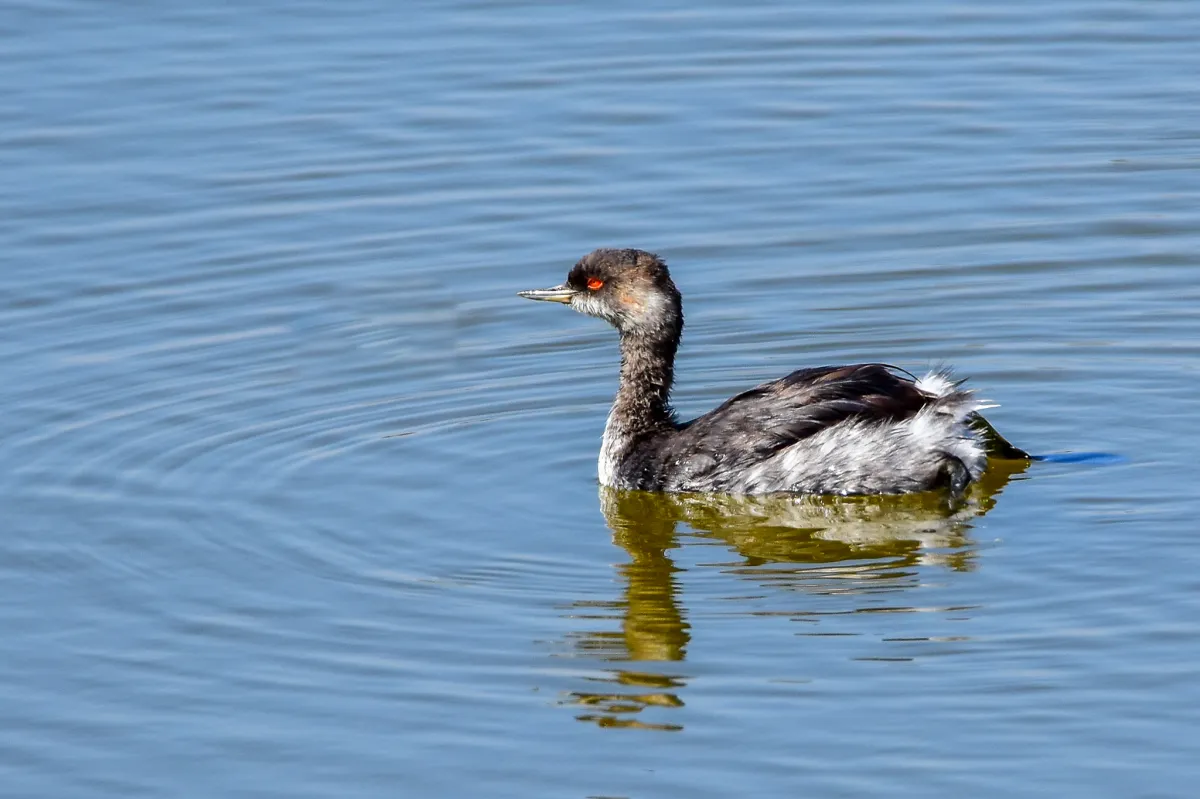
[
  {"x": 1094, "y": 458},
  {"x": 299, "y": 499}
]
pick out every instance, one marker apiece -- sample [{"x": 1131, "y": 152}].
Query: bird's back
[{"x": 859, "y": 429}]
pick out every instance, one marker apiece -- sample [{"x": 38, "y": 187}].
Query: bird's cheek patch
[{"x": 629, "y": 301}]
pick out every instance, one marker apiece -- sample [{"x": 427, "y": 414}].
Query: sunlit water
[{"x": 299, "y": 499}]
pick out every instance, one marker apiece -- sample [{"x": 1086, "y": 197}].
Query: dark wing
[{"x": 775, "y": 415}]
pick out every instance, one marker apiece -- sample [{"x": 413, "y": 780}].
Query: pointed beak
[{"x": 562, "y": 293}]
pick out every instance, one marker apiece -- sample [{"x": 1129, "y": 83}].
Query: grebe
[{"x": 859, "y": 429}]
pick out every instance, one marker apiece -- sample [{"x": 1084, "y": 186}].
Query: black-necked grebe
[{"x": 859, "y": 429}]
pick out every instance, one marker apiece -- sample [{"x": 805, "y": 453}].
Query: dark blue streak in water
[{"x": 1089, "y": 458}]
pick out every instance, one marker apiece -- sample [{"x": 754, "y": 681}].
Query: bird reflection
[{"x": 826, "y": 546}]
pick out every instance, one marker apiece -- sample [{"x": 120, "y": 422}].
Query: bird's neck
[{"x": 642, "y": 403}]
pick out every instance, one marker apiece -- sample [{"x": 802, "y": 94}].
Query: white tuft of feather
[{"x": 937, "y": 384}]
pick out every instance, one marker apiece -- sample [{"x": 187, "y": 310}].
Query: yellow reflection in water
[{"x": 817, "y": 545}]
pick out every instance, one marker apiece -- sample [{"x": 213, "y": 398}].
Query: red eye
[{"x": 595, "y": 283}]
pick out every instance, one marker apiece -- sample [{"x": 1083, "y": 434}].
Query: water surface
[{"x": 300, "y": 500}]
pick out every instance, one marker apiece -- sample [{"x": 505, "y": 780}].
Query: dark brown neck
[{"x": 643, "y": 402}]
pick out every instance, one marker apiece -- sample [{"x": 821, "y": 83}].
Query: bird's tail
[
  {"x": 997, "y": 445},
  {"x": 940, "y": 383}
]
